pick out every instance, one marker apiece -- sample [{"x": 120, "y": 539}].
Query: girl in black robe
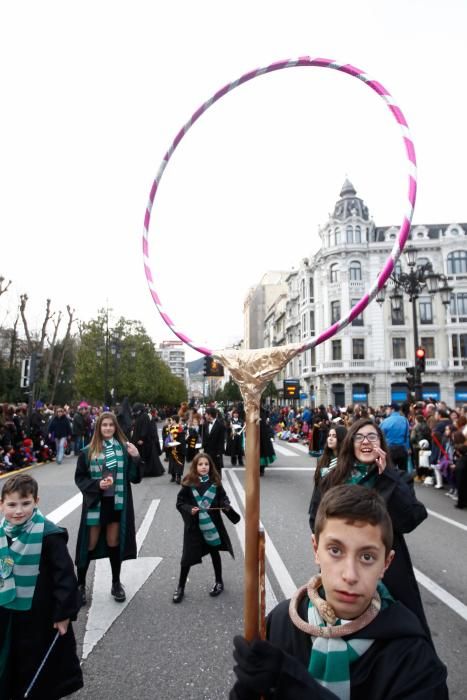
[
  {"x": 115, "y": 536},
  {"x": 201, "y": 478}
]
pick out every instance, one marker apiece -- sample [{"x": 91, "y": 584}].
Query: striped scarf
[
  {"x": 19, "y": 562},
  {"x": 113, "y": 460},
  {"x": 331, "y": 657},
  {"x": 207, "y": 527}
]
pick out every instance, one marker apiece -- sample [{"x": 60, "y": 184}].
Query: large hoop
[{"x": 404, "y": 228}]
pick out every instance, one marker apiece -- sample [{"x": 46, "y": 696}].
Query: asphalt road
[{"x": 154, "y": 649}]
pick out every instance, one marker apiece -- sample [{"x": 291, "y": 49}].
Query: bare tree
[
  {"x": 66, "y": 342},
  {"x": 13, "y": 343},
  {"x": 3, "y": 288},
  {"x": 22, "y": 309},
  {"x": 48, "y": 364}
]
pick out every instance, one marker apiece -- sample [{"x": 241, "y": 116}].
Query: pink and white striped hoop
[{"x": 404, "y": 229}]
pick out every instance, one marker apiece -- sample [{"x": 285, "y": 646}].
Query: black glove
[{"x": 259, "y": 664}]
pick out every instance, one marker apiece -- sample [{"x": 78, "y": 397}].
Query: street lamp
[{"x": 413, "y": 283}]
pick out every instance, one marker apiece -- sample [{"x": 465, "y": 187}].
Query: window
[
  {"x": 358, "y": 234},
  {"x": 335, "y": 311},
  {"x": 458, "y": 306},
  {"x": 359, "y": 320},
  {"x": 302, "y": 289},
  {"x": 334, "y": 272},
  {"x": 312, "y": 322},
  {"x": 398, "y": 349},
  {"x": 421, "y": 262},
  {"x": 457, "y": 262},
  {"x": 397, "y": 268},
  {"x": 311, "y": 289},
  {"x": 429, "y": 345},
  {"x": 397, "y": 315},
  {"x": 304, "y": 328},
  {"x": 336, "y": 350},
  {"x": 355, "y": 271},
  {"x": 425, "y": 309},
  {"x": 337, "y": 236},
  {"x": 358, "y": 349},
  {"x": 459, "y": 346},
  {"x": 349, "y": 234}
]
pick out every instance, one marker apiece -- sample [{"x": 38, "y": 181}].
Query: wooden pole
[{"x": 251, "y": 591}]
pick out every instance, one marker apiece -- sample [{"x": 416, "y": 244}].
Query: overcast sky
[{"x": 93, "y": 93}]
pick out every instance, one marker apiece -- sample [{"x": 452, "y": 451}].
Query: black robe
[
  {"x": 91, "y": 494},
  {"x": 400, "y": 665},
  {"x": 406, "y": 514},
  {"x": 194, "y": 544},
  {"x": 55, "y": 599}
]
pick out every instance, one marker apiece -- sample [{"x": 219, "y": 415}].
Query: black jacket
[
  {"x": 60, "y": 427},
  {"x": 194, "y": 544},
  {"x": 55, "y": 599},
  {"x": 213, "y": 442},
  {"x": 400, "y": 665}
]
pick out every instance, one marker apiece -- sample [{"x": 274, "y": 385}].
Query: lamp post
[{"x": 413, "y": 283}]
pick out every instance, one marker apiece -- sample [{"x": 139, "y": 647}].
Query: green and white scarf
[
  {"x": 113, "y": 460},
  {"x": 19, "y": 562},
  {"x": 331, "y": 658},
  {"x": 207, "y": 527}
]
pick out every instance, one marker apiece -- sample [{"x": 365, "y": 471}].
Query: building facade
[
  {"x": 256, "y": 305},
  {"x": 172, "y": 352},
  {"x": 366, "y": 362}
]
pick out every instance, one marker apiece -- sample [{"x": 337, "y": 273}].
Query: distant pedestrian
[
  {"x": 107, "y": 529},
  {"x": 396, "y": 430},
  {"x": 200, "y": 502},
  {"x": 214, "y": 437},
  {"x": 60, "y": 431}
]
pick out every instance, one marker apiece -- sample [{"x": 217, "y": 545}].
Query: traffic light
[
  {"x": 212, "y": 368},
  {"x": 411, "y": 377},
  {"x": 25, "y": 373},
  {"x": 291, "y": 388},
  {"x": 420, "y": 359}
]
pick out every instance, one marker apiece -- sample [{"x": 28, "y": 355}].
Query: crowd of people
[
  {"x": 426, "y": 439},
  {"x": 358, "y": 629}
]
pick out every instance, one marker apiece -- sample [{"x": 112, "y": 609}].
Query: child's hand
[
  {"x": 194, "y": 510},
  {"x": 106, "y": 483},
  {"x": 62, "y": 626},
  {"x": 132, "y": 450}
]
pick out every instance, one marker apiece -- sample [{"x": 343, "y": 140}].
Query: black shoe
[
  {"x": 216, "y": 589},
  {"x": 172, "y": 480},
  {"x": 118, "y": 592},
  {"x": 178, "y": 595},
  {"x": 240, "y": 464},
  {"x": 82, "y": 595}
]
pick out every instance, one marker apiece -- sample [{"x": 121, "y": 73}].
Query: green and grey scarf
[
  {"x": 331, "y": 657},
  {"x": 19, "y": 562},
  {"x": 113, "y": 460},
  {"x": 207, "y": 527}
]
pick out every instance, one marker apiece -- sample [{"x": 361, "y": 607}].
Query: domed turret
[{"x": 349, "y": 204}]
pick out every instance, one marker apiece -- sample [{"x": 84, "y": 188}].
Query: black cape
[
  {"x": 400, "y": 664},
  {"x": 194, "y": 544},
  {"x": 55, "y": 599}
]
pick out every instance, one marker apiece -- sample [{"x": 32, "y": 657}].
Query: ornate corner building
[{"x": 367, "y": 361}]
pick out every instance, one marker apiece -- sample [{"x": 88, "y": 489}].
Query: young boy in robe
[
  {"x": 342, "y": 636},
  {"x": 38, "y": 598}
]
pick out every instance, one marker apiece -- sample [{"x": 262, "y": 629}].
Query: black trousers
[{"x": 399, "y": 456}]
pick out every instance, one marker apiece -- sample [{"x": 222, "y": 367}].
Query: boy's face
[
  {"x": 352, "y": 560},
  {"x": 17, "y": 508}
]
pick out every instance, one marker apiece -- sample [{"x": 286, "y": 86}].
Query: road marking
[
  {"x": 281, "y": 572},
  {"x": 65, "y": 509},
  {"x": 104, "y": 609},
  {"x": 447, "y": 520},
  {"x": 271, "y": 600},
  {"x": 285, "y": 451},
  {"x": 441, "y": 594},
  {"x": 146, "y": 524}
]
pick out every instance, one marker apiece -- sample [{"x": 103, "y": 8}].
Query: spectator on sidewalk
[
  {"x": 81, "y": 427},
  {"x": 396, "y": 430},
  {"x": 60, "y": 431}
]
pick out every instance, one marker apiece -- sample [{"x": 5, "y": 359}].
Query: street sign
[{"x": 291, "y": 388}]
